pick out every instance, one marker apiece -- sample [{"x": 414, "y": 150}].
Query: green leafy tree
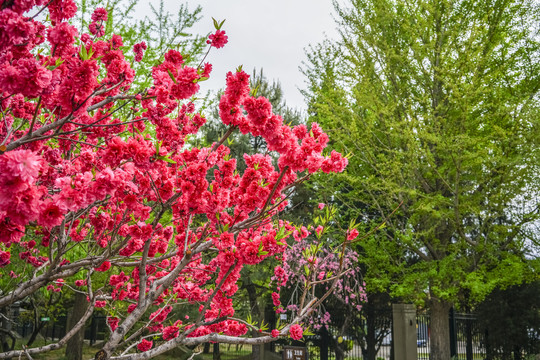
[{"x": 438, "y": 102}]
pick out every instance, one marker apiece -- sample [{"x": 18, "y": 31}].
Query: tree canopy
[{"x": 438, "y": 103}]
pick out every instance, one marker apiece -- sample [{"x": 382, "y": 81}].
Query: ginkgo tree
[{"x": 439, "y": 102}]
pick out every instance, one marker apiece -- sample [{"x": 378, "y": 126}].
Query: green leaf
[
  {"x": 57, "y": 64},
  {"x": 83, "y": 54},
  {"x": 171, "y": 75},
  {"x": 216, "y": 24},
  {"x": 255, "y": 90},
  {"x": 157, "y": 146},
  {"x": 164, "y": 158}
]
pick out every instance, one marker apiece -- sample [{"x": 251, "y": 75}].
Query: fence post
[
  {"x": 215, "y": 354},
  {"x": 453, "y": 333},
  {"x": 469, "y": 337},
  {"x": 404, "y": 335}
]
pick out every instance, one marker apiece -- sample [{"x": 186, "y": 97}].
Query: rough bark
[
  {"x": 440, "y": 331},
  {"x": 6, "y": 334},
  {"x": 74, "y": 348}
]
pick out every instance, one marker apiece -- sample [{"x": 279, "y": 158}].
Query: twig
[
  {"x": 26, "y": 353},
  {"x": 35, "y": 116},
  {"x": 223, "y": 138},
  {"x": 274, "y": 188},
  {"x": 376, "y": 228},
  {"x": 43, "y": 8},
  {"x": 195, "y": 354}
]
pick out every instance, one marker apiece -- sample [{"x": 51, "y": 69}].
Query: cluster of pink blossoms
[
  {"x": 97, "y": 26},
  {"x": 166, "y": 222},
  {"x": 322, "y": 263}
]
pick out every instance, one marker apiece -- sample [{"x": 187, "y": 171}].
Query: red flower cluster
[
  {"x": 296, "y": 332},
  {"x": 4, "y": 258},
  {"x": 145, "y": 345},
  {"x": 218, "y": 39},
  {"x": 97, "y": 26},
  {"x": 138, "y": 49},
  {"x": 110, "y": 182},
  {"x": 113, "y": 322}
]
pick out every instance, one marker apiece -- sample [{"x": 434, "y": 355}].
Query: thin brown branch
[
  {"x": 35, "y": 116},
  {"x": 223, "y": 138}
]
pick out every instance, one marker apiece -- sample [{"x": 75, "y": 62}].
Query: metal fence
[
  {"x": 359, "y": 338},
  {"x": 373, "y": 341},
  {"x": 467, "y": 340},
  {"x": 363, "y": 337}
]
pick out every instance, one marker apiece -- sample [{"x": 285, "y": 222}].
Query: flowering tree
[
  {"x": 312, "y": 261},
  {"x": 98, "y": 179},
  {"x": 316, "y": 263}
]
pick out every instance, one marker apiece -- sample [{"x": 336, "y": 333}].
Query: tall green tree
[{"x": 438, "y": 102}]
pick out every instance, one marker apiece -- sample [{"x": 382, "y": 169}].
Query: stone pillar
[{"x": 404, "y": 334}]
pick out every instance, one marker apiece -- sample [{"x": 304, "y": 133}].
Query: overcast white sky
[{"x": 269, "y": 34}]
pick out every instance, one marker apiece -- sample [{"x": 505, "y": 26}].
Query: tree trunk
[
  {"x": 371, "y": 336},
  {"x": 74, "y": 349},
  {"x": 37, "y": 329},
  {"x": 257, "y": 316},
  {"x": 255, "y": 349},
  {"x": 440, "y": 332},
  {"x": 339, "y": 350},
  {"x": 325, "y": 339},
  {"x": 5, "y": 331}
]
